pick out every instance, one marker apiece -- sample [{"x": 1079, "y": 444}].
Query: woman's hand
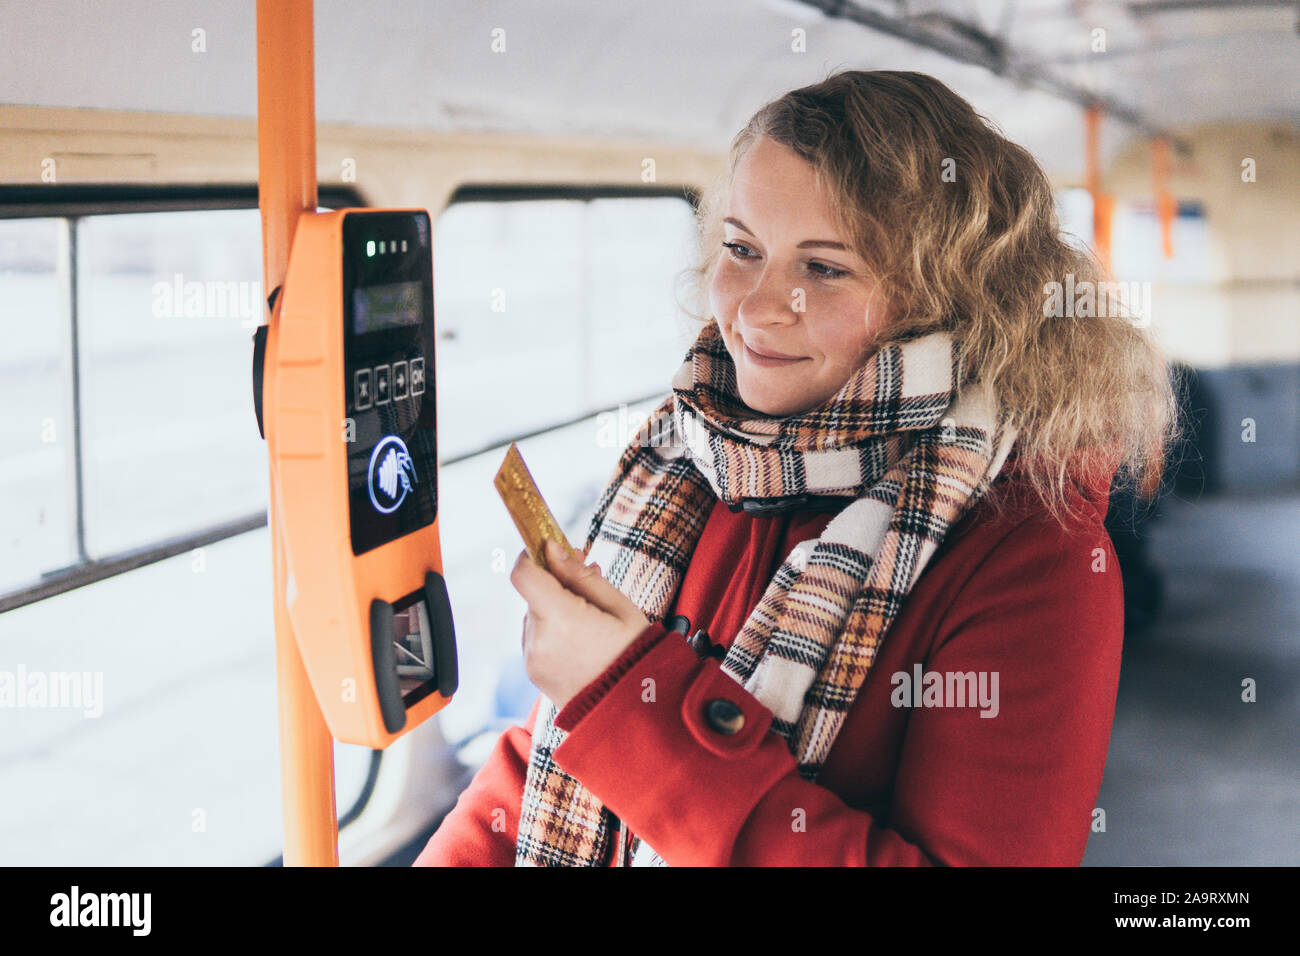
[{"x": 577, "y": 622}]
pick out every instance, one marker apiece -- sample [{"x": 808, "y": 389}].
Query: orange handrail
[{"x": 286, "y": 177}]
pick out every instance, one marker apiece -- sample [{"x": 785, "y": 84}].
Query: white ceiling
[{"x": 689, "y": 70}]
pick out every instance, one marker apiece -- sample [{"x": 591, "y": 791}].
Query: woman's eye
[
  {"x": 818, "y": 270},
  {"x": 830, "y": 273}
]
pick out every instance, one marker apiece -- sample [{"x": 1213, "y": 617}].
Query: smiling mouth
[{"x": 762, "y": 359}]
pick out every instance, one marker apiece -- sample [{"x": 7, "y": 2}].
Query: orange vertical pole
[
  {"x": 1164, "y": 198},
  {"x": 1101, "y": 203},
  {"x": 286, "y": 186}
]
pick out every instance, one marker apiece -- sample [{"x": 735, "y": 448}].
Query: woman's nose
[{"x": 771, "y": 301}]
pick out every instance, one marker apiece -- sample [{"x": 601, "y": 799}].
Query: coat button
[{"x": 724, "y": 716}]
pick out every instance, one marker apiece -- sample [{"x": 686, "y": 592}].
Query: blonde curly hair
[{"x": 973, "y": 253}]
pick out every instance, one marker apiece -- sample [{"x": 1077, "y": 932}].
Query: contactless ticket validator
[{"x": 347, "y": 402}]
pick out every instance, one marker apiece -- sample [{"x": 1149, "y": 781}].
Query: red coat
[{"x": 902, "y": 786}]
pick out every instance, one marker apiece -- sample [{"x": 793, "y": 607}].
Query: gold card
[{"x": 527, "y": 508}]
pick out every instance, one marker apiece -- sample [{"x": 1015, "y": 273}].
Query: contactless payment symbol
[{"x": 392, "y": 474}]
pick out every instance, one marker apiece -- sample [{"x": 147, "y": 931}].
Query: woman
[{"x": 873, "y": 501}]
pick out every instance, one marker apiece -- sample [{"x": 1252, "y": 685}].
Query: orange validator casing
[{"x": 347, "y": 402}]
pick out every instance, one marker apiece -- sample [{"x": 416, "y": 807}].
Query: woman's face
[{"x": 789, "y": 284}]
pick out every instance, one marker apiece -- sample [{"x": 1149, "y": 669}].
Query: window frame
[{"x": 71, "y": 203}]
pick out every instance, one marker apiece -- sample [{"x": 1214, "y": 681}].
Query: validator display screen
[
  {"x": 388, "y": 376},
  {"x": 392, "y": 306}
]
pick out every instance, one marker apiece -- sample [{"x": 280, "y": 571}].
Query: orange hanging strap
[
  {"x": 1165, "y": 206},
  {"x": 1102, "y": 205}
]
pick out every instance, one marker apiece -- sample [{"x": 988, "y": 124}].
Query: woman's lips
[{"x": 767, "y": 360}]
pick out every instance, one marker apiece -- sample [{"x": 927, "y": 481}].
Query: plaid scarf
[{"x": 905, "y": 449}]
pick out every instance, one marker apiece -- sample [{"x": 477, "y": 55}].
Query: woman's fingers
[
  {"x": 538, "y": 587},
  {"x": 586, "y": 581}
]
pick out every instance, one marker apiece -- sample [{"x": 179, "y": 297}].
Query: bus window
[
  {"x": 538, "y": 303},
  {"x": 166, "y": 309},
  {"x": 151, "y": 745},
  {"x": 1074, "y": 210},
  {"x": 1138, "y": 255},
  {"x": 37, "y": 482}
]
